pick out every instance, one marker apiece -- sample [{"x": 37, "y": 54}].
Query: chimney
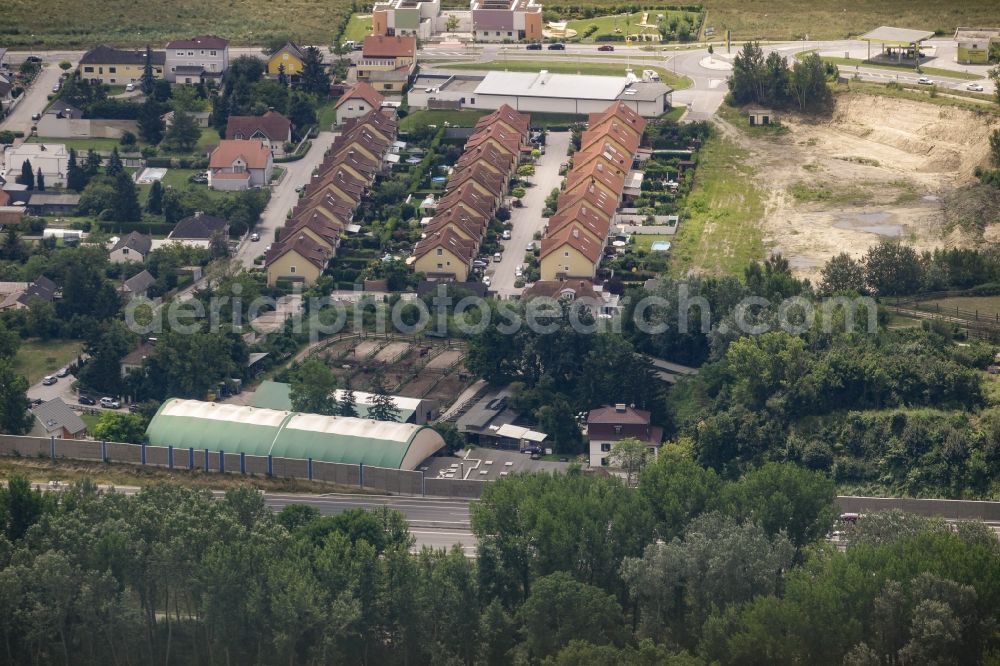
[
  {"x": 620, "y": 407},
  {"x": 576, "y": 232}
]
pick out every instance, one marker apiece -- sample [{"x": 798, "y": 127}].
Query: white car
[
  {"x": 254, "y": 238},
  {"x": 110, "y": 403},
  {"x": 497, "y": 257},
  {"x": 519, "y": 271},
  {"x": 130, "y": 87},
  {"x": 506, "y": 234},
  {"x": 530, "y": 247},
  {"x": 924, "y": 81},
  {"x": 486, "y": 280},
  {"x": 975, "y": 87}
]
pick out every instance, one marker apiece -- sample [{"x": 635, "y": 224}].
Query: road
[
  {"x": 283, "y": 198},
  {"x": 528, "y": 220},
  {"x": 35, "y": 100}
]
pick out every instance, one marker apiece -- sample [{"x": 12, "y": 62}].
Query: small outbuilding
[{"x": 761, "y": 117}]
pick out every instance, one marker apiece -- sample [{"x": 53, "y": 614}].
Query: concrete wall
[
  {"x": 49, "y": 125},
  {"x": 396, "y": 481}
]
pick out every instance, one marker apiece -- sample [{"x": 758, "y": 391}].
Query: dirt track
[{"x": 879, "y": 167}]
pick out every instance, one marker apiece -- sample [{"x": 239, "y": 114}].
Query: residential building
[
  {"x": 104, "y": 64},
  {"x": 134, "y": 359},
  {"x": 199, "y": 227},
  {"x": 272, "y": 129},
  {"x": 289, "y": 59},
  {"x": 193, "y": 60},
  {"x": 51, "y": 158},
  {"x": 414, "y": 18},
  {"x": 6, "y": 91},
  {"x": 506, "y": 20},
  {"x": 55, "y": 419},
  {"x": 590, "y": 220},
  {"x": 606, "y": 426},
  {"x": 444, "y": 255},
  {"x": 133, "y": 247},
  {"x": 137, "y": 285},
  {"x": 296, "y": 259},
  {"x": 52, "y": 203},
  {"x": 240, "y": 165},
  {"x": 571, "y": 253},
  {"x": 391, "y": 60},
  {"x": 17, "y": 295},
  {"x": 598, "y": 301},
  {"x": 359, "y": 100}
]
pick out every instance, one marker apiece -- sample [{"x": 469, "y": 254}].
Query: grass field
[
  {"x": 721, "y": 233},
  {"x": 37, "y": 358},
  {"x": 644, "y": 241},
  {"x": 357, "y": 28},
  {"x": 558, "y": 67},
  {"x": 854, "y": 62},
  {"x": 326, "y": 115},
  {"x": 81, "y": 144},
  {"x": 987, "y": 306},
  {"x": 468, "y": 118},
  {"x": 793, "y": 19},
  {"x": 624, "y": 23}
]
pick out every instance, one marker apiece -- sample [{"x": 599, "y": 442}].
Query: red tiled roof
[
  {"x": 502, "y": 137},
  {"x": 304, "y": 246},
  {"x": 255, "y": 153},
  {"x": 470, "y": 197},
  {"x": 478, "y": 173},
  {"x": 202, "y": 42},
  {"x": 593, "y": 195},
  {"x": 599, "y": 170},
  {"x": 573, "y": 236},
  {"x": 610, "y": 415},
  {"x": 582, "y": 290},
  {"x": 317, "y": 223},
  {"x": 449, "y": 240},
  {"x": 500, "y": 162},
  {"x": 361, "y": 90},
  {"x": 622, "y": 112},
  {"x": 588, "y": 217},
  {"x": 380, "y": 46},
  {"x": 273, "y": 125},
  {"x": 506, "y": 114}
]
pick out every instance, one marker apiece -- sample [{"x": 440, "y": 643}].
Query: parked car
[
  {"x": 254, "y": 238},
  {"x": 558, "y": 46},
  {"x": 49, "y": 380},
  {"x": 129, "y": 87},
  {"x": 606, "y": 47},
  {"x": 530, "y": 247},
  {"x": 133, "y": 408},
  {"x": 497, "y": 257},
  {"x": 86, "y": 400},
  {"x": 519, "y": 271},
  {"x": 110, "y": 403},
  {"x": 36, "y": 116},
  {"x": 64, "y": 372},
  {"x": 55, "y": 88},
  {"x": 36, "y": 402},
  {"x": 975, "y": 87},
  {"x": 924, "y": 81},
  {"x": 33, "y": 58},
  {"x": 506, "y": 234},
  {"x": 486, "y": 280},
  {"x": 479, "y": 263},
  {"x": 534, "y": 46},
  {"x": 486, "y": 258}
]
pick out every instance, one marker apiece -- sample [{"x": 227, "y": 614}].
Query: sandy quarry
[{"x": 879, "y": 167}]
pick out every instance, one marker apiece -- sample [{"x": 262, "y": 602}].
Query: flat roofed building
[
  {"x": 506, "y": 20},
  {"x": 896, "y": 41},
  {"x": 283, "y": 434}
]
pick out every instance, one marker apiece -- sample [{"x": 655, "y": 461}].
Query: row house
[
  {"x": 475, "y": 191},
  {"x": 576, "y": 235},
  {"x": 310, "y": 237}
]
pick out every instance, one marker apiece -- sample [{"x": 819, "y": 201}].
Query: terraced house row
[
  {"x": 576, "y": 235},
  {"x": 475, "y": 190},
  {"x": 310, "y": 238}
]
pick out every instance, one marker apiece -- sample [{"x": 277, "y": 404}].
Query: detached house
[
  {"x": 200, "y": 228},
  {"x": 357, "y": 101},
  {"x": 133, "y": 247},
  {"x": 291, "y": 57},
  {"x": 55, "y": 419},
  {"x": 193, "y": 60},
  {"x": 104, "y": 64},
  {"x": 240, "y": 165},
  {"x": 388, "y": 62},
  {"x": 273, "y": 129},
  {"x": 607, "y": 426}
]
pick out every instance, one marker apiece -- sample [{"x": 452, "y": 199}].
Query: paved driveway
[
  {"x": 283, "y": 198},
  {"x": 36, "y": 98},
  {"x": 528, "y": 219}
]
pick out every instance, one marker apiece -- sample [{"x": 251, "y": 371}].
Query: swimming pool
[
  {"x": 660, "y": 246},
  {"x": 440, "y": 179}
]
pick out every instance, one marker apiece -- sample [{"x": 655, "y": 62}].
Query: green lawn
[
  {"x": 721, "y": 233},
  {"x": 463, "y": 118},
  {"x": 621, "y": 24},
  {"x": 326, "y": 115},
  {"x": 644, "y": 241},
  {"x": 90, "y": 420},
  {"x": 209, "y": 139},
  {"x": 987, "y": 306},
  {"x": 557, "y": 67},
  {"x": 37, "y": 358},
  {"x": 82, "y": 145},
  {"x": 357, "y": 29},
  {"x": 854, "y": 62}
]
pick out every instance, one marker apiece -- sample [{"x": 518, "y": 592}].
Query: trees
[
  {"x": 746, "y": 83},
  {"x": 314, "y": 78},
  {"x": 995, "y": 78},
  {"x": 382, "y": 407},
  {"x": 114, "y": 165},
  {"x": 629, "y": 455},
  {"x": 348, "y": 402},
  {"x": 76, "y": 179},
  {"x": 451, "y": 24},
  {"x": 183, "y": 133},
  {"x": 807, "y": 84},
  {"x": 301, "y": 111},
  {"x": 842, "y": 274},
  {"x": 995, "y": 147},
  {"x": 119, "y": 427},
  {"x": 892, "y": 269},
  {"x": 20, "y": 507},
  {"x": 151, "y": 125},
  {"x": 312, "y": 387},
  {"x": 282, "y": 77},
  {"x": 15, "y": 418},
  {"x": 147, "y": 81},
  {"x": 40, "y": 180},
  {"x": 154, "y": 204},
  {"x": 27, "y": 176},
  {"x": 126, "y": 199}
]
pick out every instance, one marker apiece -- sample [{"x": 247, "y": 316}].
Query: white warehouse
[{"x": 543, "y": 92}]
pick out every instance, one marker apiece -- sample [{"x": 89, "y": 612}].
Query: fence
[
  {"x": 983, "y": 325},
  {"x": 364, "y": 477}
]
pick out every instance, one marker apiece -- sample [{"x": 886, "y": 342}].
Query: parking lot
[
  {"x": 487, "y": 464},
  {"x": 528, "y": 220}
]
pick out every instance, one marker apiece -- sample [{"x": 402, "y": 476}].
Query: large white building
[
  {"x": 542, "y": 92},
  {"x": 196, "y": 59},
  {"x": 51, "y": 158}
]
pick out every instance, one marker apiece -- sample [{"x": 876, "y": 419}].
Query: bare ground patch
[{"x": 877, "y": 168}]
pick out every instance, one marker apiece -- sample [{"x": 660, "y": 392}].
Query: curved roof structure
[{"x": 262, "y": 432}]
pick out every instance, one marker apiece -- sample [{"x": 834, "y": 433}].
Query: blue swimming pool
[
  {"x": 660, "y": 246},
  {"x": 440, "y": 179}
]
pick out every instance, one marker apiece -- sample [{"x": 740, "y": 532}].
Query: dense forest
[{"x": 689, "y": 568}]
